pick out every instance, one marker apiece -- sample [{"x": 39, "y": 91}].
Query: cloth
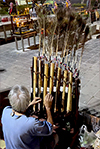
[
  {"x": 22, "y": 132},
  {"x": 10, "y": 11}
]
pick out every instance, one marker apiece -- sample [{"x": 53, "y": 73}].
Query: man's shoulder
[
  {"x": 7, "y": 108},
  {"x": 6, "y": 112}
]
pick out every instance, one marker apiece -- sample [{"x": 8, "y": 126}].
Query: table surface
[
  {"x": 5, "y": 23},
  {"x": 9, "y": 22}
]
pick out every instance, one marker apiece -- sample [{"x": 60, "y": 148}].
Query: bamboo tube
[
  {"x": 57, "y": 88},
  {"x": 51, "y": 78},
  {"x": 45, "y": 81},
  {"x": 39, "y": 81},
  {"x": 64, "y": 86},
  {"x": 34, "y": 76},
  {"x": 69, "y": 99}
]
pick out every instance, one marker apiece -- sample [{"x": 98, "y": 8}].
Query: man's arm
[
  {"x": 49, "y": 116},
  {"x": 29, "y": 109},
  {"x": 48, "y": 104},
  {"x": 35, "y": 101}
]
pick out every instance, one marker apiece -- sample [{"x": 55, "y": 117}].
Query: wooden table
[
  {"x": 26, "y": 35},
  {"x": 5, "y": 26}
]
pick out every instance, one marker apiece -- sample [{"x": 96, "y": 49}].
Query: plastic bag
[
  {"x": 86, "y": 138},
  {"x": 97, "y": 141}
]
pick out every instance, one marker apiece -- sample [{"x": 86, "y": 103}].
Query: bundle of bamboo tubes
[
  {"x": 59, "y": 76},
  {"x": 48, "y": 78}
]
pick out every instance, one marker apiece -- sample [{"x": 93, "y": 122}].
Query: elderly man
[{"x": 22, "y": 132}]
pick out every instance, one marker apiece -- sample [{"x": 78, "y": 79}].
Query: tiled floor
[{"x": 18, "y": 63}]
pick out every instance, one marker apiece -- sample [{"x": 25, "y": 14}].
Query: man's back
[{"x": 21, "y": 132}]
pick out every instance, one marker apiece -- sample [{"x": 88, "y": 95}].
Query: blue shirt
[{"x": 23, "y": 132}]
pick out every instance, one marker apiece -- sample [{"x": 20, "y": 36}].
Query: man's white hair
[{"x": 19, "y": 98}]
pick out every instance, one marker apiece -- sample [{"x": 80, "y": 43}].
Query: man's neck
[{"x": 17, "y": 113}]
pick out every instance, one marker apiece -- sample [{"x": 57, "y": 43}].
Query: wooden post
[
  {"x": 16, "y": 43},
  {"x": 69, "y": 99},
  {"x": 51, "y": 78},
  {"x": 34, "y": 39},
  {"x": 28, "y": 40},
  {"x": 5, "y": 33},
  {"x": 22, "y": 43},
  {"x": 64, "y": 87}
]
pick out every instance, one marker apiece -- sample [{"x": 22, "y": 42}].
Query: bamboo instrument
[
  {"x": 51, "y": 78},
  {"x": 69, "y": 99},
  {"x": 45, "y": 81},
  {"x": 57, "y": 88},
  {"x": 32, "y": 79},
  {"x": 39, "y": 81},
  {"x": 39, "y": 85},
  {"x": 34, "y": 76},
  {"x": 64, "y": 87}
]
